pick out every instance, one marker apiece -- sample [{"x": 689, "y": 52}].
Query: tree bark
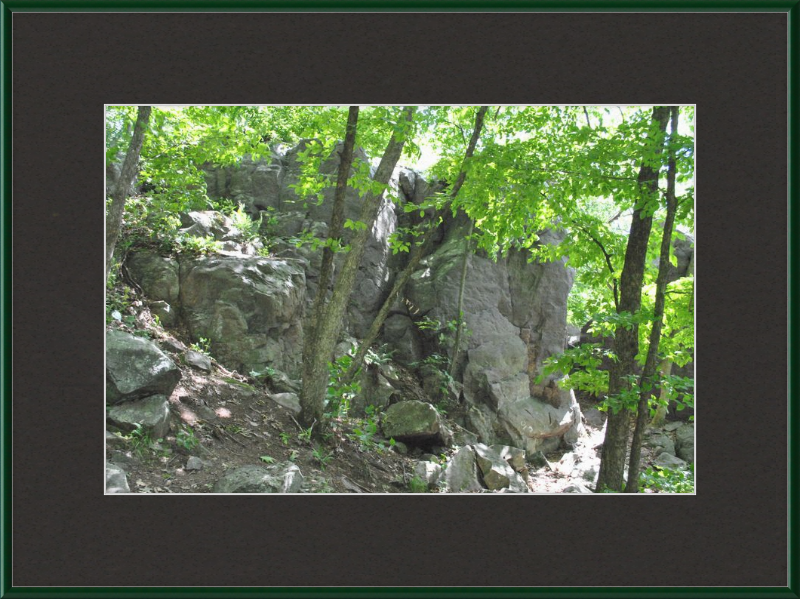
[
  {"x": 335, "y": 229},
  {"x": 329, "y": 320},
  {"x": 460, "y": 310},
  {"x": 626, "y": 340},
  {"x": 420, "y": 252},
  {"x": 130, "y": 167},
  {"x": 661, "y": 411},
  {"x": 647, "y": 378}
]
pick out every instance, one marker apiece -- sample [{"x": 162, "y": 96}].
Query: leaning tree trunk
[
  {"x": 626, "y": 340},
  {"x": 120, "y": 192},
  {"x": 647, "y": 379},
  {"x": 328, "y": 323},
  {"x": 420, "y": 252}
]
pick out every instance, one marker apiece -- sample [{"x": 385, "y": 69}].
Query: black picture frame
[{"x": 62, "y": 61}]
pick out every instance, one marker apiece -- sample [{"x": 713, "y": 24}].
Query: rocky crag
[{"x": 251, "y": 308}]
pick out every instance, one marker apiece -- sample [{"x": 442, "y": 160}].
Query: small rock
[
  {"x": 497, "y": 473},
  {"x": 116, "y": 479},
  {"x": 415, "y": 422},
  {"x": 173, "y": 346},
  {"x": 577, "y": 487},
  {"x": 400, "y": 447},
  {"x": 283, "y": 477},
  {"x": 428, "y": 472},
  {"x": 290, "y": 401},
  {"x": 666, "y": 460},
  {"x": 513, "y": 455},
  {"x": 198, "y": 360},
  {"x": 194, "y": 463},
  {"x": 661, "y": 443},
  {"x": 671, "y": 426}
]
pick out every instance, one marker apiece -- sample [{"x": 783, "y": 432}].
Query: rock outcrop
[
  {"x": 251, "y": 308},
  {"x": 136, "y": 368}
]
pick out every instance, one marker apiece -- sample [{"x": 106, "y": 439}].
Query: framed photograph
[{"x": 386, "y": 286}]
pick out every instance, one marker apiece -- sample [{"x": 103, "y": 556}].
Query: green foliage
[
  {"x": 305, "y": 434},
  {"x": 186, "y": 438},
  {"x": 267, "y": 459},
  {"x": 367, "y": 429},
  {"x": 436, "y": 365},
  {"x": 340, "y": 394},
  {"x": 285, "y": 438},
  {"x": 580, "y": 367},
  {"x": 321, "y": 457},
  {"x": 140, "y": 441},
  {"x": 267, "y": 373},
  {"x": 378, "y": 357},
  {"x": 668, "y": 480},
  {"x": 417, "y": 485},
  {"x": 196, "y": 246},
  {"x": 202, "y": 346},
  {"x": 247, "y": 226}
]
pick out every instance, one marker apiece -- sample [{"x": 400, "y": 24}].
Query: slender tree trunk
[
  {"x": 328, "y": 322},
  {"x": 460, "y": 309},
  {"x": 661, "y": 411},
  {"x": 651, "y": 361},
  {"x": 419, "y": 252},
  {"x": 335, "y": 231},
  {"x": 626, "y": 340},
  {"x": 120, "y": 193}
]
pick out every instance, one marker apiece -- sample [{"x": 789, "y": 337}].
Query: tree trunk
[
  {"x": 420, "y": 252},
  {"x": 120, "y": 193},
  {"x": 626, "y": 340},
  {"x": 460, "y": 310},
  {"x": 661, "y": 411},
  {"x": 647, "y": 379},
  {"x": 328, "y": 322},
  {"x": 334, "y": 233}
]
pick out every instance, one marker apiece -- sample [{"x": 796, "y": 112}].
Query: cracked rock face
[{"x": 515, "y": 313}]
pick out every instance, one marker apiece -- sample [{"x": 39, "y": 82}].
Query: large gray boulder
[
  {"x": 250, "y": 308},
  {"x": 152, "y": 413},
  {"x": 283, "y": 477},
  {"x": 537, "y": 426},
  {"x": 158, "y": 276},
  {"x": 137, "y": 368},
  {"x": 209, "y": 223},
  {"x": 415, "y": 422},
  {"x": 461, "y": 473}
]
